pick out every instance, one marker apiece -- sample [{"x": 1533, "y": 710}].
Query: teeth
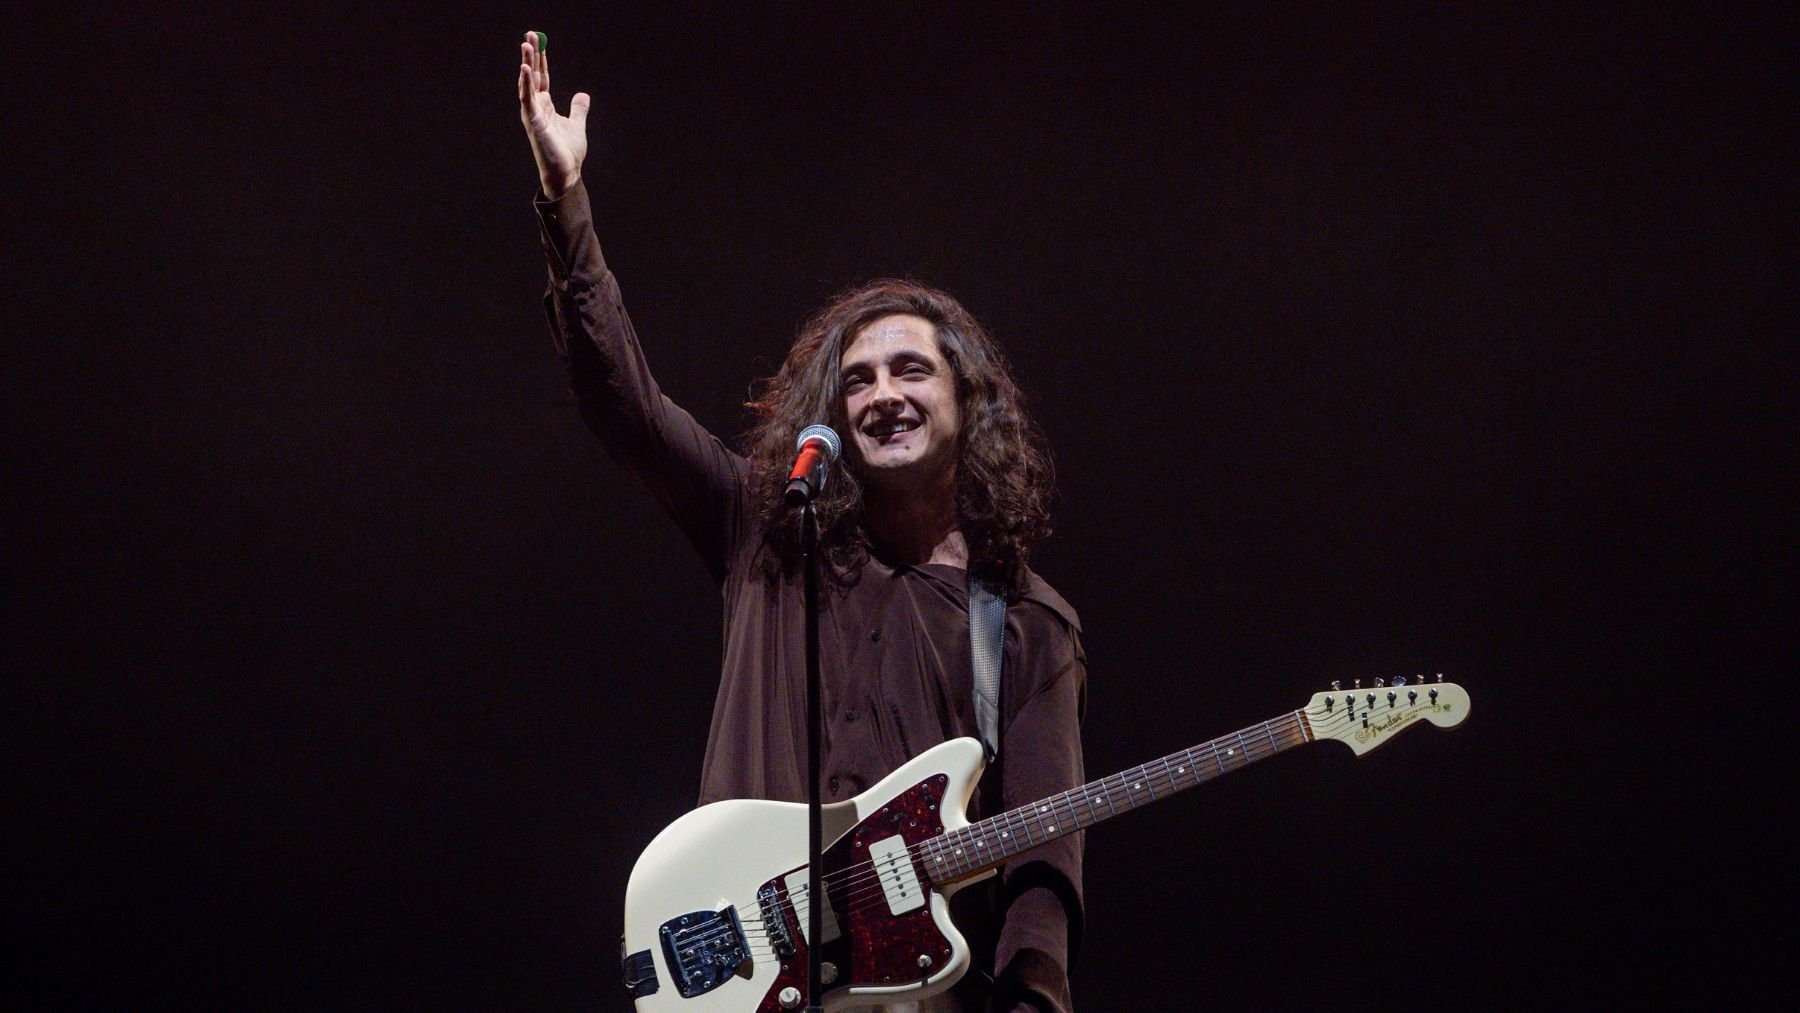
[{"x": 892, "y": 428}]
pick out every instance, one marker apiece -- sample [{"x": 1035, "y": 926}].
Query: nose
[{"x": 886, "y": 395}]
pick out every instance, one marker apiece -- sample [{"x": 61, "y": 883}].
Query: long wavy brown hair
[{"x": 1003, "y": 473}]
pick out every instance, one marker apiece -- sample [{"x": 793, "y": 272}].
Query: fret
[
  {"x": 1141, "y": 783},
  {"x": 1273, "y": 748}
]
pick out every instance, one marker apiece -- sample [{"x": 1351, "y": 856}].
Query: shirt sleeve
[
  {"x": 1040, "y": 894},
  {"x": 696, "y": 478}
]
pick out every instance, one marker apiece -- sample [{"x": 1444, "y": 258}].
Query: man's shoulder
[{"x": 1039, "y": 592}]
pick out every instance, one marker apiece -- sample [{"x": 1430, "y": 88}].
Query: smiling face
[{"x": 900, "y": 399}]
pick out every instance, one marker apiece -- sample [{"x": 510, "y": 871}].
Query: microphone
[{"x": 818, "y": 447}]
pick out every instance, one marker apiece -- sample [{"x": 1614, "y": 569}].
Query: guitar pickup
[{"x": 899, "y": 880}]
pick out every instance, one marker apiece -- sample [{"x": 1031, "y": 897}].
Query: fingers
[
  {"x": 537, "y": 60},
  {"x": 578, "y": 109},
  {"x": 532, "y": 67}
]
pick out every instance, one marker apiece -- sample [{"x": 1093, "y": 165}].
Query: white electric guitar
[{"x": 716, "y": 911}]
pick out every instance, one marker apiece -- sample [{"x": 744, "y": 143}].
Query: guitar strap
[{"x": 987, "y": 635}]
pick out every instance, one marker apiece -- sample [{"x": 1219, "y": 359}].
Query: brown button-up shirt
[{"x": 894, "y": 642}]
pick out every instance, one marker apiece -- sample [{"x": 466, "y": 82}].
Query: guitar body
[{"x": 716, "y": 912}]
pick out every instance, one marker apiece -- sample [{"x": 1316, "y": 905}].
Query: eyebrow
[{"x": 905, "y": 355}]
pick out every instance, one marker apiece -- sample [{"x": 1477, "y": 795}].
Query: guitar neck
[{"x": 981, "y": 846}]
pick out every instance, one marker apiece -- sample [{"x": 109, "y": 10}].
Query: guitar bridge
[
  {"x": 775, "y": 920},
  {"x": 705, "y": 949}
]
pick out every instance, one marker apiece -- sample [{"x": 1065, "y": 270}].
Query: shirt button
[
  {"x": 833, "y": 785},
  {"x": 850, "y": 715},
  {"x": 876, "y": 636}
]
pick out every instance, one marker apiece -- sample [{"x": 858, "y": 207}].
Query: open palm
[{"x": 558, "y": 142}]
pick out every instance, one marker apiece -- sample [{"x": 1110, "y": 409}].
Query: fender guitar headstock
[{"x": 1365, "y": 717}]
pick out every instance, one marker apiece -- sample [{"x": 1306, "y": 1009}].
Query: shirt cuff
[{"x": 564, "y": 224}]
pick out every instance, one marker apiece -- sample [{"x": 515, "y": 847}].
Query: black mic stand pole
[{"x": 815, "y": 883}]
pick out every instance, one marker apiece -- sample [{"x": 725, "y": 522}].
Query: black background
[{"x": 345, "y": 671}]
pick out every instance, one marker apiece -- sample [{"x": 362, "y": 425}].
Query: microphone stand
[{"x": 815, "y": 885}]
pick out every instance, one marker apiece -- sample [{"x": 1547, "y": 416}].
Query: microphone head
[{"x": 825, "y": 435}]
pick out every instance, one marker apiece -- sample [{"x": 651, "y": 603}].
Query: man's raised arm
[{"x": 696, "y": 479}]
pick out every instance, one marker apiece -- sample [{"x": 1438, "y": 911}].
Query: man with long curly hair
[{"x": 945, "y": 481}]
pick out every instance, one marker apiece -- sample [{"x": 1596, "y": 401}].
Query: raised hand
[{"x": 558, "y": 142}]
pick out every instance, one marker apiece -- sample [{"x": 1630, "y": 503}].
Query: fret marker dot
[
  {"x": 1136, "y": 786},
  {"x": 1053, "y": 830}
]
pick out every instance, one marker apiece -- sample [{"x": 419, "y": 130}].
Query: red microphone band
[{"x": 808, "y": 460}]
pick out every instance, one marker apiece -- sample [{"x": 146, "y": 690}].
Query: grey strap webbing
[{"x": 987, "y": 633}]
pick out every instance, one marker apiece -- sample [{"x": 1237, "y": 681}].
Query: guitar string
[
  {"x": 856, "y": 879},
  {"x": 1071, "y": 805},
  {"x": 862, "y": 894},
  {"x": 1291, "y": 729},
  {"x": 1067, "y": 804},
  {"x": 1294, "y": 733}
]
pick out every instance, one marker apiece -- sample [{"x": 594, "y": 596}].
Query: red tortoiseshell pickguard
[{"x": 877, "y": 947}]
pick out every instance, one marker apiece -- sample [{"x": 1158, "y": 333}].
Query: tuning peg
[
  {"x": 1359, "y": 684},
  {"x": 1399, "y": 680},
  {"x": 1379, "y": 684},
  {"x": 1335, "y": 684},
  {"x": 1440, "y": 677}
]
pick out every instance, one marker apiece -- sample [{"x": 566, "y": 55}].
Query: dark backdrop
[{"x": 345, "y": 671}]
